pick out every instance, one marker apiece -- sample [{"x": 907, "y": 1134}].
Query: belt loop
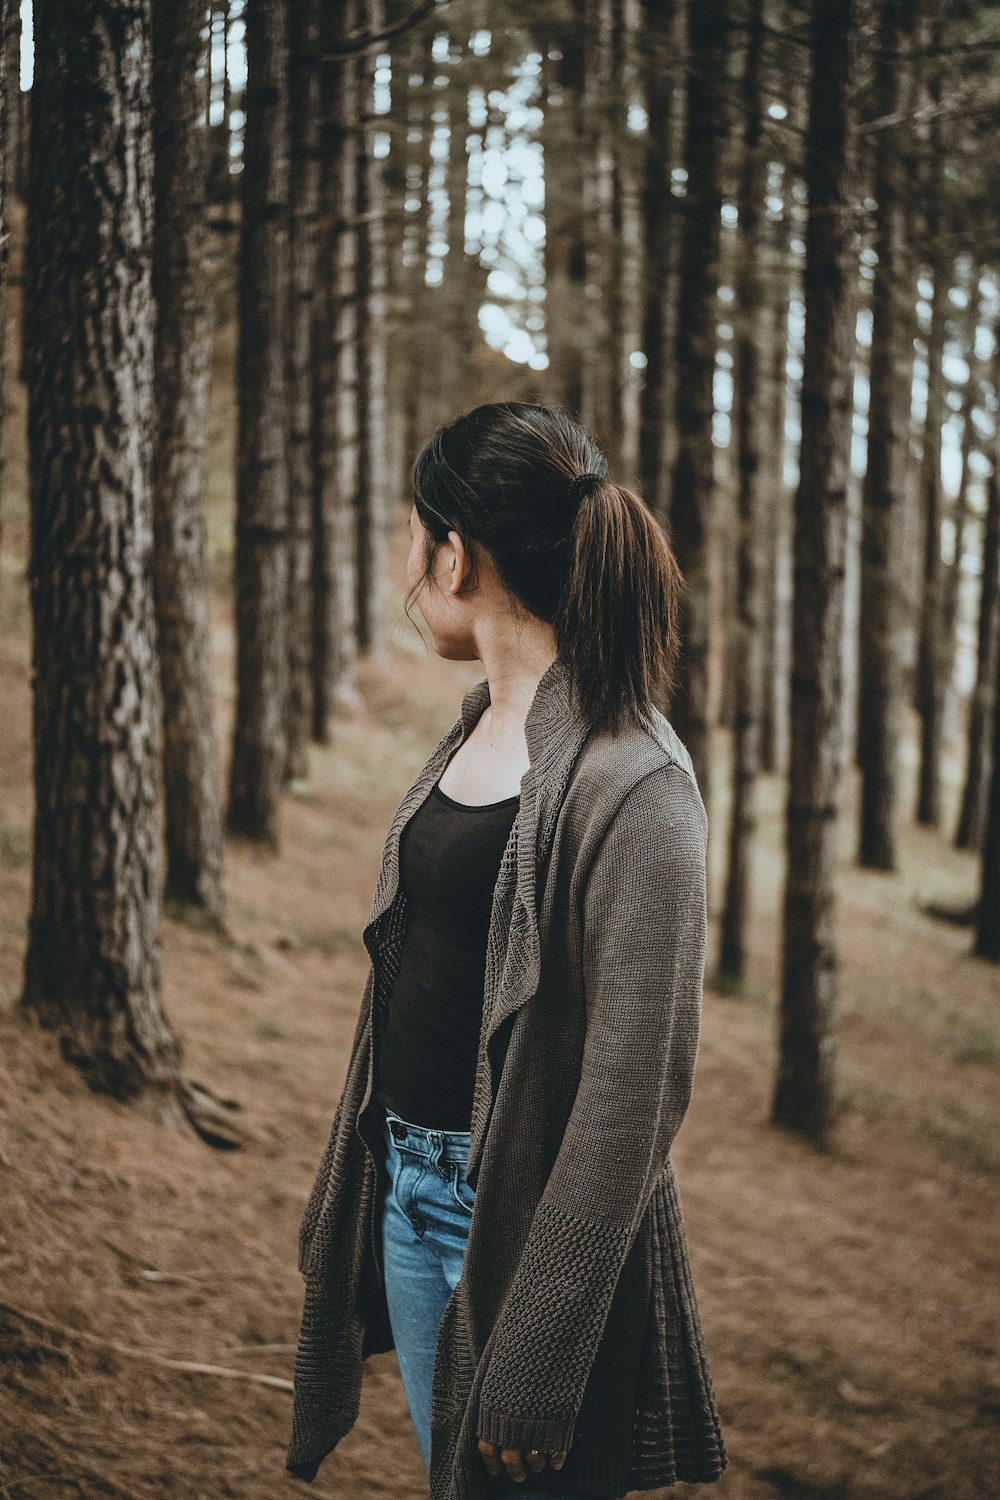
[{"x": 437, "y": 1150}]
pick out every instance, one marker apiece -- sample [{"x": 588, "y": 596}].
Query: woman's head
[{"x": 503, "y": 486}]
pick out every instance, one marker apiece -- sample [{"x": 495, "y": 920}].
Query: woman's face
[{"x": 446, "y": 612}]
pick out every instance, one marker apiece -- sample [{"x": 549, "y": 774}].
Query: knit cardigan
[{"x": 574, "y": 1324}]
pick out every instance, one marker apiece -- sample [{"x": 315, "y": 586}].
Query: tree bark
[
  {"x": 260, "y": 744},
  {"x": 565, "y": 244},
  {"x": 777, "y": 584},
  {"x": 5, "y": 157},
  {"x": 303, "y": 219},
  {"x": 880, "y": 686},
  {"x": 748, "y": 411},
  {"x": 934, "y": 652},
  {"x": 628, "y": 283},
  {"x": 972, "y": 818},
  {"x": 987, "y": 944},
  {"x": 92, "y": 966},
  {"x": 335, "y": 593},
  {"x": 692, "y": 483},
  {"x": 601, "y": 392},
  {"x": 192, "y": 795},
  {"x": 660, "y": 223},
  {"x": 13, "y": 111},
  {"x": 804, "y": 1090},
  {"x": 374, "y": 514}
]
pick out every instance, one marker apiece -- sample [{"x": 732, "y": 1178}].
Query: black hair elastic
[{"x": 582, "y": 485}]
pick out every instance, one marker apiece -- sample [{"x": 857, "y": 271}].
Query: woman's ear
[{"x": 459, "y": 564}]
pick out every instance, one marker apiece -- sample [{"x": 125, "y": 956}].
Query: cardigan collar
[{"x": 554, "y": 730}]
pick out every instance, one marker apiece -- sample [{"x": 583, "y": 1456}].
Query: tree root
[{"x": 210, "y": 1115}]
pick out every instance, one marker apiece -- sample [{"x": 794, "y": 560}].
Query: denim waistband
[{"x": 438, "y": 1145}]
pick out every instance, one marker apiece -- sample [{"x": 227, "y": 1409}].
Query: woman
[{"x": 497, "y": 1200}]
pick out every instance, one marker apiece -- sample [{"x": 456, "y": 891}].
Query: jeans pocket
[{"x": 463, "y": 1195}]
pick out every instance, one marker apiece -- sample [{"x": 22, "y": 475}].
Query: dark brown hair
[{"x": 598, "y": 568}]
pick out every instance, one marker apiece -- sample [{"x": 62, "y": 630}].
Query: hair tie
[{"x": 582, "y": 485}]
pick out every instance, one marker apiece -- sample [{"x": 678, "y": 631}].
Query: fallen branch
[{"x": 191, "y": 1367}]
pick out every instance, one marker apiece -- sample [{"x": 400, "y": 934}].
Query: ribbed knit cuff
[{"x": 513, "y": 1430}]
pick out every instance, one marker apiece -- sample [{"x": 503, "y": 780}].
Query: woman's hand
[{"x": 514, "y": 1460}]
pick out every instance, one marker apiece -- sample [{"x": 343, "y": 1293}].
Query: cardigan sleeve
[{"x": 644, "y": 911}]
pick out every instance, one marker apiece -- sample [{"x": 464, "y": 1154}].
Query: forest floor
[{"x": 849, "y": 1299}]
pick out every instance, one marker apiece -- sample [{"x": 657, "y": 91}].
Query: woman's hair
[{"x": 589, "y": 557}]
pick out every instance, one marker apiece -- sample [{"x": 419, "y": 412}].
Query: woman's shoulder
[
  {"x": 645, "y": 770},
  {"x": 612, "y": 763}
]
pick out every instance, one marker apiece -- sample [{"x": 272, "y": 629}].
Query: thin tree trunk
[
  {"x": 660, "y": 231},
  {"x": 260, "y": 750},
  {"x": 5, "y": 159},
  {"x": 972, "y": 818},
  {"x": 804, "y": 1090},
  {"x": 13, "y": 116},
  {"x": 192, "y": 795},
  {"x": 92, "y": 966},
  {"x": 935, "y": 651},
  {"x": 692, "y": 484},
  {"x": 630, "y": 279},
  {"x": 987, "y": 944},
  {"x": 601, "y": 403},
  {"x": 374, "y": 515},
  {"x": 880, "y": 686},
  {"x": 751, "y": 314},
  {"x": 414, "y": 238},
  {"x": 565, "y": 246},
  {"x": 961, "y": 510},
  {"x": 934, "y": 648},
  {"x": 774, "y": 748},
  {"x": 335, "y": 598},
  {"x": 303, "y": 212}
]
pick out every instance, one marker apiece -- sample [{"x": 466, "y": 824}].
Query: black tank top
[{"x": 449, "y": 861}]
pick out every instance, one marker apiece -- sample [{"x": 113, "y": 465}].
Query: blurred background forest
[{"x": 253, "y": 254}]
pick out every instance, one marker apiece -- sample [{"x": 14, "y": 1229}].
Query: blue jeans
[{"x": 426, "y": 1212}]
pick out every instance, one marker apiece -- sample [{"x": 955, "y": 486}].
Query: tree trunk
[
  {"x": 777, "y": 583},
  {"x": 748, "y": 413},
  {"x": 804, "y": 1090},
  {"x": 335, "y": 546},
  {"x": 374, "y": 514},
  {"x": 660, "y": 233},
  {"x": 260, "y": 744},
  {"x": 5, "y": 158},
  {"x": 13, "y": 111},
  {"x": 303, "y": 194},
  {"x": 692, "y": 484},
  {"x": 92, "y": 967},
  {"x": 565, "y": 245},
  {"x": 972, "y": 819},
  {"x": 880, "y": 686},
  {"x": 934, "y": 645},
  {"x": 935, "y": 652},
  {"x": 987, "y": 943},
  {"x": 601, "y": 394},
  {"x": 192, "y": 796},
  {"x": 413, "y": 260},
  {"x": 629, "y": 280}
]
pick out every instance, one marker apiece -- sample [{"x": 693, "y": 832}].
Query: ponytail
[
  {"x": 528, "y": 483},
  {"x": 616, "y": 622}
]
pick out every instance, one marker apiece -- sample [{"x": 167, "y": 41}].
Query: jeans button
[{"x": 398, "y": 1129}]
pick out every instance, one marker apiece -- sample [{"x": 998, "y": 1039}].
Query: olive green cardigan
[{"x": 574, "y": 1324}]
